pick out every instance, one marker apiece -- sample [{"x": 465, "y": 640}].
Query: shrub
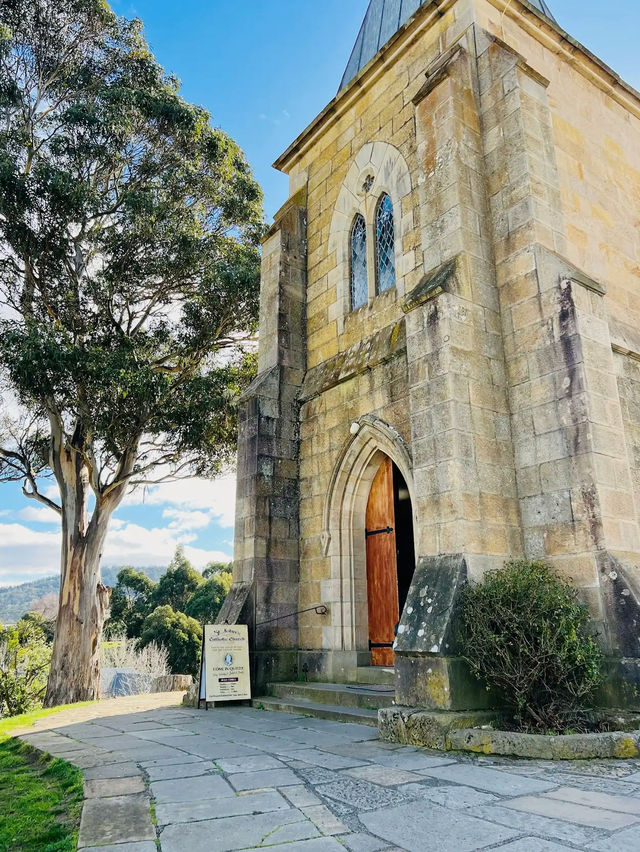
[
  {"x": 137, "y": 667},
  {"x": 25, "y": 657},
  {"x": 179, "y": 634},
  {"x": 524, "y": 633},
  {"x": 206, "y": 602}
]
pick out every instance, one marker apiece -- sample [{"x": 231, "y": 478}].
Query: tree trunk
[
  {"x": 75, "y": 665},
  {"x": 84, "y": 601}
]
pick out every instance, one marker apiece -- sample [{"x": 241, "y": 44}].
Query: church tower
[{"x": 449, "y": 366}]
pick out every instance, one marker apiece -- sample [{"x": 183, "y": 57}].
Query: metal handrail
[{"x": 320, "y": 609}]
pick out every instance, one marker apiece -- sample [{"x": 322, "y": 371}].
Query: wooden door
[{"x": 382, "y": 572}]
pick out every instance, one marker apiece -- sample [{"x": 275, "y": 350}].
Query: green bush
[
  {"x": 25, "y": 657},
  {"x": 206, "y": 602},
  {"x": 179, "y": 634},
  {"x": 524, "y": 633}
]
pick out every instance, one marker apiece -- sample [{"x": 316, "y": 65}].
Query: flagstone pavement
[{"x": 162, "y": 777}]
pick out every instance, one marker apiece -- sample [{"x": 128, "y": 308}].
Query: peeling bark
[{"x": 84, "y": 600}]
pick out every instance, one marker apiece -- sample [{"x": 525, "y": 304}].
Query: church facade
[{"x": 449, "y": 362}]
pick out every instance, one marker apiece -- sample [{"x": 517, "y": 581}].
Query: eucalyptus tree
[{"x": 129, "y": 231}]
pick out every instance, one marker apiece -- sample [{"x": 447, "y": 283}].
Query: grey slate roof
[{"x": 382, "y": 20}]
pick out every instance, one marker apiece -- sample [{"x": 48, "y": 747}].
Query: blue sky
[{"x": 263, "y": 70}]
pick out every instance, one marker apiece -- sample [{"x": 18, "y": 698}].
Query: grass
[
  {"x": 12, "y": 723},
  {"x": 40, "y": 796},
  {"x": 40, "y": 800}
]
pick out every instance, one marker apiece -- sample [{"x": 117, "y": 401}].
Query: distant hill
[{"x": 16, "y": 600}]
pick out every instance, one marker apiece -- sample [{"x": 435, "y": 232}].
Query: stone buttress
[{"x": 264, "y": 594}]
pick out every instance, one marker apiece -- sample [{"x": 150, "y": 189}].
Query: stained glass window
[
  {"x": 358, "y": 263},
  {"x": 385, "y": 245}
]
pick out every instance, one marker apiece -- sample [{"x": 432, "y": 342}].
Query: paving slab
[
  {"x": 249, "y": 764},
  {"x": 148, "y": 752},
  {"x": 299, "y": 796},
  {"x": 450, "y": 796},
  {"x": 240, "y": 832},
  {"x": 570, "y": 812},
  {"x": 100, "y": 788},
  {"x": 623, "y": 804},
  {"x": 317, "y": 774},
  {"x": 112, "y": 770},
  {"x": 87, "y": 731},
  {"x": 266, "y": 778},
  {"x": 618, "y": 787},
  {"x": 118, "y": 819},
  {"x": 180, "y": 757},
  {"x": 319, "y": 844},
  {"x": 202, "y": 746},
  {"x": 527, "y": 823},
  {"x": 161, "y": 735},
  {"x": 325, "y": 821},
  {"x": 89, "y": 759},
  {"x": 178, "y": 770},
  {"x": 384, "y": 775},
  {"x": 361, "y": 842},
  {"x": 207, "y": 809},
  {"x": 491, "y": 780},
  {"x": 306, "y": 736},
  {"x": 317, "y": 757},
  {"x": 407, "y": 827},
  {"x": 142, "y": 846},
  {"x": 621, "y": 841},
  {"x": 191, "y": 789},
  {"x": 534, "y": 844},
  {"x": 361, "y": 794},
  {"x": 413, "y": 760}
]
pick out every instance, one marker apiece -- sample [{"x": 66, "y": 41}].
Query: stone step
[
  {"x": 364, "y": 695},
  {"x": 376, "y": 674},
  {"x": 320, "y": 711}
]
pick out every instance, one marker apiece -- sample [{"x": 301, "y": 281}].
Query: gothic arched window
[
  {"x": 358, "y": 247},
  {"x": 385, "y": 245}
]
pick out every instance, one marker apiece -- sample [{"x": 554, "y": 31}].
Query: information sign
[{"x": 224, "y": 670}]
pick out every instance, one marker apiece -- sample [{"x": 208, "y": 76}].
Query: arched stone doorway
[
  {"x": 390, "y": 558},
  {"x": 345, "y": 538}
]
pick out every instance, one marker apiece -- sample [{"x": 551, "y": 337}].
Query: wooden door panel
[{"x": 382, "y": 577}]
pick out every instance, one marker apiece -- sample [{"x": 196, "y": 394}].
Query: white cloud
[
  {"x": 27, "y": 554},
  {"x": 133, "y": 544},
  {"x": 39, "y": 515},
  {"x": 187, "y": 506},
  {"x": 216, "y": 497},
  {"x": 181, "y": 519}
]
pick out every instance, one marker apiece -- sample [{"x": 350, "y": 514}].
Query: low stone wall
[
  {"x": 429, "y": 728},
  {"x": 171, "y": 683},
  {"x": 611, "y": 744},
  {"x": 474, "y": 732}
]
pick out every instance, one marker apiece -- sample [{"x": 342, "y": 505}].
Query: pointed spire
[{"x": 382, "y": 20}]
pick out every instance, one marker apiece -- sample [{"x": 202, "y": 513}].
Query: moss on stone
[{"x": 626, "y": 748}]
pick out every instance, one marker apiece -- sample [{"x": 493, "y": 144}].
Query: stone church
[{"x": 449, "y": 360}]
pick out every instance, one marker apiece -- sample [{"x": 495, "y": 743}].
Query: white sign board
[{"x": 224, "y": 670}]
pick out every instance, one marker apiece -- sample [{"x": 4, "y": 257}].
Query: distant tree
[
  {"x": 129, "y": 270},
  {"x": 177, "y": 586},
  {"x": 179, "y": 634},
  {"x": 217, "y": 568},
  {"x": 207, "y": 600},
  {"x": 37, "y": 618},
  {"x": 25, "y": 656},
  {"x": 130, "y": 602},
  {"x": 47, "y": 606}
]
